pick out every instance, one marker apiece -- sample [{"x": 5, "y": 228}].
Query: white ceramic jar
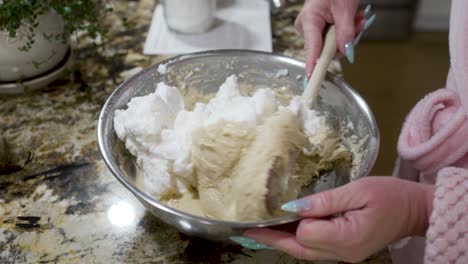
[
  {"x": 43, "y": 55},
  {"x": 189, "y": 16}
]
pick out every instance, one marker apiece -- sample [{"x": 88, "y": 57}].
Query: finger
[
  {"x": 328, "y": 234},
  {"x": 359, "y": 14},
  {"x": 343, "y": 14},
  {"x": 362, "y": 26},
  {"x": 287, "y": 242},
  {"x": 312, "y": 26},
  {"x": 359, "y": 24},
  {"x": 359, "y": 28},
  {"x": 359, "y": 21},
  {"x": 327, "y": 203}
]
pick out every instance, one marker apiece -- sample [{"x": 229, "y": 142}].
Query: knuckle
[
  {"x": 363, "y": 181},
  {"x": 342, "y": 230},
  {"x": 343, "y": 237},
  {"x": 366, "y": 187},
  {"x": 325, "y": 200},
  {"x": 348, "y": 236},
  {"x": 314, "y": 19},
  {"x": 304, "y": 234}
]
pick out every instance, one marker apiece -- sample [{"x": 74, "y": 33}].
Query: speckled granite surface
[{"x": 58, "y": 201}]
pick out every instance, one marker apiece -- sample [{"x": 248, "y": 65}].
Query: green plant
[{"x": 77, "y": 15}]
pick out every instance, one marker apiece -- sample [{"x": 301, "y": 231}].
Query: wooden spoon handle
[{"x": 320, "y": 70}]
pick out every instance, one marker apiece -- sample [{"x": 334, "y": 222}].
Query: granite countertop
[{"x": 58, "y": 201}]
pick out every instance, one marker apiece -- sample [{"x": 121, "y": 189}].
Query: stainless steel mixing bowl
[{"x": 207, "y": 71}]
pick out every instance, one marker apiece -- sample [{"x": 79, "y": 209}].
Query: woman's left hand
[{"x": 372, "y": 213}]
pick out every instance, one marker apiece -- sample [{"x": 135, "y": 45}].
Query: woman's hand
[
  {"x": 370, "y": 214},
  {"x": 316, "y": 14}
]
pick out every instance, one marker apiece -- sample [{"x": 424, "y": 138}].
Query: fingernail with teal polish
[
  {"x": 297, "y": 205},
  {"x": 304, "y": 83},
  {"x": 367, "y": 10},
  {"x": 369, "y": 22},
  {"x": 242, "y": 239},
  {"x": 358, "y": 38},
  {"x": 249, "y": 243},
  {"x": 349, "y": 48},
  {"x": 256, "y": 246}
]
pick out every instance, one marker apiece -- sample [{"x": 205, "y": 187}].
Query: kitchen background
[{"x": 405, "y": 58}]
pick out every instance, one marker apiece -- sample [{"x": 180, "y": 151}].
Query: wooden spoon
[
  {"x": 318, "y": 75},
  {"x": 280, "y": 168}
]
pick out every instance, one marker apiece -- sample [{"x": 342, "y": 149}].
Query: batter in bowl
[{"x": 215, "y": 159}]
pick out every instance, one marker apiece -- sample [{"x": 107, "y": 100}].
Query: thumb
[{"x": 327, "y": 203}]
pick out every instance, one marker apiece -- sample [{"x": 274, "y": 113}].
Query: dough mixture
[{"x": 237, "y": 157}]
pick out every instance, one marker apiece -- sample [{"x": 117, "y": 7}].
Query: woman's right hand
[{"x": 316, "y": 14}]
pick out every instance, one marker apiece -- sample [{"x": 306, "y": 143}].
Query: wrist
[{"x": 421, "y": 208}]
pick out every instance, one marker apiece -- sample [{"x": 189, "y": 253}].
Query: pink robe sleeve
[
  {"x": 435, "y": 135},
  {"x": 447, "y": 237},
  {"x": 433, "y": 147}
]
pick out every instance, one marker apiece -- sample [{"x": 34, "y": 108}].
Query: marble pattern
[{"x": 58, "y": 201}]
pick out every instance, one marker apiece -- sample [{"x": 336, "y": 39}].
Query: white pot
[{"x": 43, "y": 55}]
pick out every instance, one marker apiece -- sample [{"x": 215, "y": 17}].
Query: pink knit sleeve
[{"x": 447, "y": 237}]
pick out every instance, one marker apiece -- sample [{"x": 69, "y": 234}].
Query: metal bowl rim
[{"x": 113, "y": 167}]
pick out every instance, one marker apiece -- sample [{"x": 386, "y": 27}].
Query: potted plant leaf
[{"x": 34, "y": 34}]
